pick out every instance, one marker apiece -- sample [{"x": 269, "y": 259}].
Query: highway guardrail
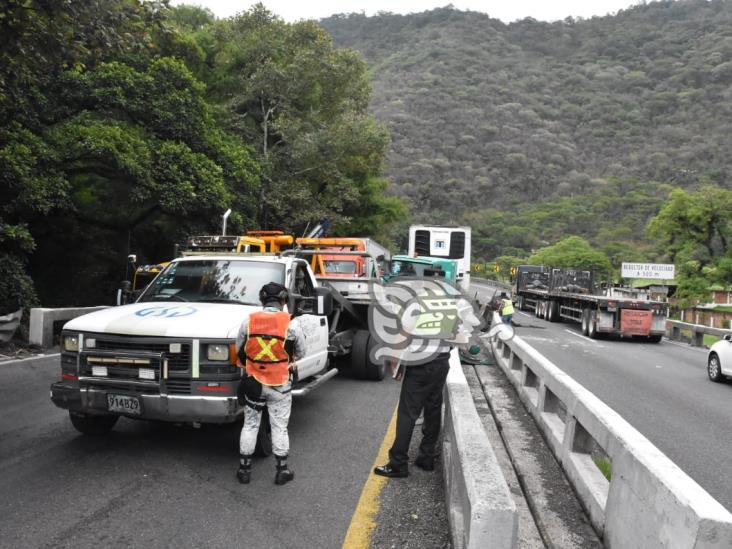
[
  {"x": 675, "y": 327},
  {"x": 647, "y": 502},
  {"x": 481, "y": 511}
]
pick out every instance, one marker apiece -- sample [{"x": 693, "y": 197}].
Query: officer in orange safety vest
[{"x": 268, "y": 344}]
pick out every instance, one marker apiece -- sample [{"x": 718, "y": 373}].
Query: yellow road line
[{"x": 362, "y": 521}]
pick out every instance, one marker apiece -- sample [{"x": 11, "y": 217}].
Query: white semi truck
[{"x": 171, "y": 354}]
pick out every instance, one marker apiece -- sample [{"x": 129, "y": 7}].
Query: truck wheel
[
  {"x": 592, "y": 332},
  {"x": 553, "y": 315},
  {"x": 538, "y": 309},
  {"x": 520, "y": 303},
  {"x": 92, "y": 425},
  {"x": 264, "y": 437},
  {"x": 585, "y": 321},
  {"x": 361, "y": 365}
]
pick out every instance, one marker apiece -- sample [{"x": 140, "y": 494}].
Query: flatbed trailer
[{"x": 599, "y": 315}]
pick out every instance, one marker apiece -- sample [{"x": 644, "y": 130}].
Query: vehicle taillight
[{"x": 71, "y": 377}]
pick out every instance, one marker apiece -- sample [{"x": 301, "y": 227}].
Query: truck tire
[
  {"x": 263, "y": 447},
  {"x": 361, "y": 365},
  {"x": 585, "y": 321},
  {"x": 92, "y": 425},
  {"x": 553, "y": 312},
  {"x": 520, "y": 303},
  {"x": 592, "y": 332}
]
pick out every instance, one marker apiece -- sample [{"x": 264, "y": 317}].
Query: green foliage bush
[{"x": 16, "y": 287}]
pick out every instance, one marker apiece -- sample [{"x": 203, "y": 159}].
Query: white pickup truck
[{"x": 171, "y": 355}]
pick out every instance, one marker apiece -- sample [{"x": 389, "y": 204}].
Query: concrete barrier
[
  {"x": 481, "y": 511},
  {"x": 674, "y": 328},
  {"x": 41, "y": 322},
  {"x": 648, "y": 502}
]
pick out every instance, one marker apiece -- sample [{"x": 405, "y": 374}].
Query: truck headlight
[
  {"x": 71, "y": 343},
  {"x": 218, "y": 352}
]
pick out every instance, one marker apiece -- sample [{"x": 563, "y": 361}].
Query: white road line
[
  {"x": 583, "y": 337},
  {"x": 15, "y": 361}
]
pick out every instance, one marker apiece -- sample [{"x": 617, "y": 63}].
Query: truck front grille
[
  {"x": 178, "y": 387},
  {"x": 176, "y": 361}
]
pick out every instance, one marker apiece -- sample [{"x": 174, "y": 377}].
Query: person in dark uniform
[{"x": 422, "y": 387}]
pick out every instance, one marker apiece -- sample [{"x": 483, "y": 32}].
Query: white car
[{"x": 719, "y": 362}]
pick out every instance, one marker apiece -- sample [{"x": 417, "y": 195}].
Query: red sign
[{"x": 634, "y": 322}]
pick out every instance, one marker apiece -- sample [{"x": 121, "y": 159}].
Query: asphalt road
[
  {"x": 159, "y": 485},
  {"x": 660, "y": 388}
]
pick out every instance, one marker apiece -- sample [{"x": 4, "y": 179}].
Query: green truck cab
[{"x": 422, "y": 266}]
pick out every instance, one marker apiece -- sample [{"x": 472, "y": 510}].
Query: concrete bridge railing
[
  {"x": 648, "y": 502},
  {"x": 481, "y": 511}
]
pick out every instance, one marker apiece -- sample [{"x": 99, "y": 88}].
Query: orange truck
[
  {"x": 342, "y": 265},
  {"x": 275, "y": 241}
]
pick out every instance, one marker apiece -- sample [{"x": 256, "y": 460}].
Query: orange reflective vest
[{"x": 267, "y": 361}]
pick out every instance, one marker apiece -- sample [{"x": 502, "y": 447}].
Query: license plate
[{"x": 124, "y": 404}]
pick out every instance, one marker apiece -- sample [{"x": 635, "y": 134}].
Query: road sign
[{"x": 660, "y": 271}]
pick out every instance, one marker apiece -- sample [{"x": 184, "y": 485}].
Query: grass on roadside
[{"x": 604, "y": 464}]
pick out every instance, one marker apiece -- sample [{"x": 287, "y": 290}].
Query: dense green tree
[
  {"x": 104, "y": 137},
  {"x": 302, "y": 103},
  {"x": 694, "y": 229},
  {"x": 125, "y": 125},
  {"x": 573, "y": 252}
]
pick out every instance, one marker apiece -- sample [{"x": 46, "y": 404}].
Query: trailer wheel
[
  {"x": 92, "y": 425},
  {"x": 264, "y": 436},
  {"x": 520, "y": 303},
  {"x": 361, "y": 365},
  {"x": 553, "y": 311},
  {"x": 538, "y": 308}
]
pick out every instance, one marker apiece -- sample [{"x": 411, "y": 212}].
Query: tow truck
[{"x": 170, "y": 355}]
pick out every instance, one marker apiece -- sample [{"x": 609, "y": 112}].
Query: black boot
[
  {"x": 244, "y": 473},
  {"x": 284, "y": 474}
]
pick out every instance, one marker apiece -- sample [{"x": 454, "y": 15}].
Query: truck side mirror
[
  {"x": 323, "y": 301},
  {"x": 123, "y": 293}
]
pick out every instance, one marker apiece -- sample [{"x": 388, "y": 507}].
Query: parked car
[{"x": 719, "y": 361}]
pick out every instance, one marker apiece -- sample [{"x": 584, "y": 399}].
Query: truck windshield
[
  {"x": 221, "y": 281},
  {"x": 340, "y": 267},
  {"x": 408, "y": 268}
]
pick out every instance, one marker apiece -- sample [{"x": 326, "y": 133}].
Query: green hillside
[{"x": 491, "y": 116}]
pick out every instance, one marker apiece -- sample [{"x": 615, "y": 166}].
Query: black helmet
[{"x": 273, "y": 292}]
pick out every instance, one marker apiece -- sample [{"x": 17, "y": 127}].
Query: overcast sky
[{"x": 506, "y": 10}]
